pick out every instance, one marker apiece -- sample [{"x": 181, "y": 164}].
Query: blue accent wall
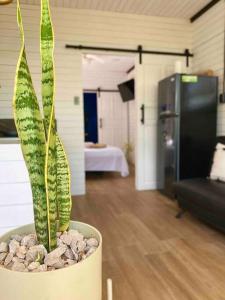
[{"x": 90, "y": 117}]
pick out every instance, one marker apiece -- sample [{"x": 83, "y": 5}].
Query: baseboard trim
[{"x": 151, "y": 185}]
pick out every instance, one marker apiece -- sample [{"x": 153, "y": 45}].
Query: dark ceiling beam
[{"x": 204, "y": 10}]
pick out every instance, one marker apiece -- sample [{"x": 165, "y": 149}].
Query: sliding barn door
[
  {"x": 112, "y": 120},
  {"x": 148, "y": 74}
]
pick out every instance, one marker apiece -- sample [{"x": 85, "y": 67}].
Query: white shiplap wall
[
  {"x": 78, "y": 27},
  {"x": 104, "y": 79},
  {"x": 16, "y": 207},
  {"x": 132, "y": 123},
  {"x": 208, "y": 48}
]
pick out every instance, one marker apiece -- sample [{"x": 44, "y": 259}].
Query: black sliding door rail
[
  {"x": 139, "y": 50},
  {"x": 99, "y": 91}
]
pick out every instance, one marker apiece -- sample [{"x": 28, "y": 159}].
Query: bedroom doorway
[{"x": 109, "y": 116}]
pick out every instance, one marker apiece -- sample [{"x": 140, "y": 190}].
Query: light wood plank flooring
[{"x": 149, "y": 254}]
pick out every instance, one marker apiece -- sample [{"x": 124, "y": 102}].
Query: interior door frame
[{"x": 136, "y": 58}]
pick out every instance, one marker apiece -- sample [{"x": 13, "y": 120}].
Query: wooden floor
[{"x": 149, "y": 254}]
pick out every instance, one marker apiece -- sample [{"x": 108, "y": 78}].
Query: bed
[{"x": 109, "y": 159}]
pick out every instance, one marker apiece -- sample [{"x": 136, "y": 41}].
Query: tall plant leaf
[
  {"x": 47, "y": 59},
  {"x": 56, "y": 162},
  {"x": 50, "y": 181},
  {"x": 64, "y": 200},
  {"x": 30, "y": 129},
  {"x": 48, "y": 84}
]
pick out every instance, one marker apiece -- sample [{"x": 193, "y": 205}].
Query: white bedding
[{"x": 106, "y": 159}]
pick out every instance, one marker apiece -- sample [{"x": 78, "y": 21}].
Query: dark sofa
[{"x": 203, "y": 197}]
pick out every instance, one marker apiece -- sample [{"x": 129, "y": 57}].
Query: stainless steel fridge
[{"x": 187, "y": 122}]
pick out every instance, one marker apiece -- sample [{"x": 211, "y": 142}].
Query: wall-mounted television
[
  {"x": 8, "y": 128},
  {"x": 126, "y": 90}
]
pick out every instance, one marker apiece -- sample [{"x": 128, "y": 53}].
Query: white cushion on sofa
[{"x": 218, "y": 167}]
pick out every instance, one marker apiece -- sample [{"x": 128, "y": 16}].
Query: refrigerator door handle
[
  {"x": 168, "y": 114},
  {"x": 142, "y": 114}
]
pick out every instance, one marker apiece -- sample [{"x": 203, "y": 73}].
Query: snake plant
[{"x": 41, "y": 146}]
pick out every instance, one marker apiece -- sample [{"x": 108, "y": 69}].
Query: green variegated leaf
[
  {"x": 47, "y": 59},
  {"x": 47, "y": 48},
  {"x": 64, "y": 200},
  {"x": 54, "y": 162},
  {"x": 50, "y": 180},
  {"x": 30, "y": 129}
]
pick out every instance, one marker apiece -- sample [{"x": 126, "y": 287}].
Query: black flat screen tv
[
  {"x": 8, "y": 128},
  {"x": 126, "y": 90}
]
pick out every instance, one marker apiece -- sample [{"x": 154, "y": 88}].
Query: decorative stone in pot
[{"x": 80, "y": 281}]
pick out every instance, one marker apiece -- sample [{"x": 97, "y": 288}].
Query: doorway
[{"x": 109, "y": 116}]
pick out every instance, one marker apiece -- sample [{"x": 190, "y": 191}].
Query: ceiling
[
  {"x": 105, "y": 71},
  {"x": 107, "y": 63},
  {"x": 166, "y": 8}
]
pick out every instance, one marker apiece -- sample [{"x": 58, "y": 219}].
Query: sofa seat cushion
[{"x": 203, "y": 193}]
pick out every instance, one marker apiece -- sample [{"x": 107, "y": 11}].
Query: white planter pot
[{"x": 82, "y": 281}]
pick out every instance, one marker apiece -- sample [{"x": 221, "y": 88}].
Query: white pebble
[
  {"x": 76, "y": 235},
  {"x": 81, "y": 245},
  {"x": 92, "y": 242},
  {"x": 54, "y": 258},
  {"x": 3, "y": 247},
  {"x": 17, "y": 237},
  {"x": 2, "y": 257},
  {"x": 66, "y": 238},
  {"x": 33, "y": 266},
  {"x": 21, "y": 252},
  {"x": 42, "y": 268},
  {"x": 69, "y": 253},
  {"x": 29, "y": 240},
  {"x": 13, "y": 246},
  {"x": 17, "y": 266},
  {"x": 70, "y": 262},
  {"x": 8, "y": 259},
  {"x": 91, "y": 251}
]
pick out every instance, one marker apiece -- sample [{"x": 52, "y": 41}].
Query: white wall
[
  {"x": 96, "y": 75},
  {"x": 78, "y": 27},
  {"x": 208, "y": 48},
  {"x": 16, "y": 208},
  {"x": 68, "y": 82},
  {"x": 132, "y": 123}
]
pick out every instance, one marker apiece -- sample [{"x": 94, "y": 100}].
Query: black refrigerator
[{"x": 187, "y": 121}]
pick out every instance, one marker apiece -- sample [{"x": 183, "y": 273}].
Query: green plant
[{"x": 42, "y": 149}]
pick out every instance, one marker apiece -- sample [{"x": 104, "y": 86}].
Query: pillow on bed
[
  {"x": 218, "y": 167},
  {"x": 88, "y": 144},
  {"x": 98, "y": 146}
]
